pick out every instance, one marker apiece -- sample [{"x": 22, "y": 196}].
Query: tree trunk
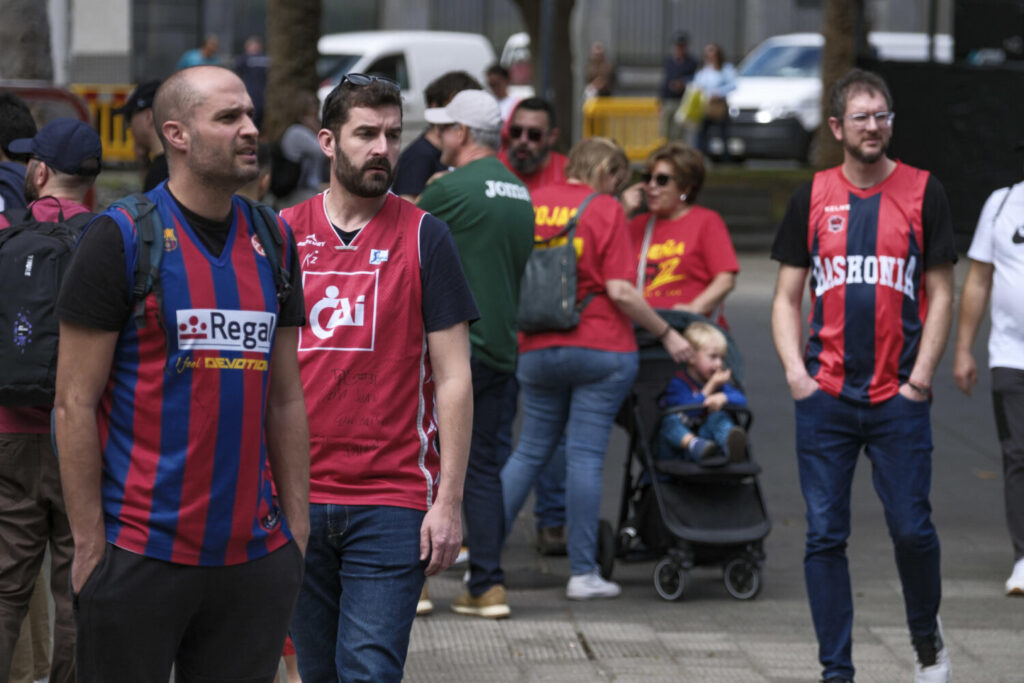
[
  {"x": 561, "y": 60},
  {"x": 843, "y": 18},
  {"x": 293, "y": 28},
  {"x": 25, "y": 40}
]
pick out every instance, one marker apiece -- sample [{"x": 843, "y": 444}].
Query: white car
[{"x": 775, "y": 109}]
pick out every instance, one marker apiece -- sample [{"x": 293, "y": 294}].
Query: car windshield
[
  {"x": 784, "y": 61},
  {"x": 333, "y": 67}
]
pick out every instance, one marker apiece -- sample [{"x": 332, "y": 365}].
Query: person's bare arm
[
  {"x": 973, "y": 300},
  {"x": 441, "y": 531},
  {"x": 787, "y": 329},
  {"x": 287, "y": 434},
  {"x": 628, "y": 299},
  {"x": 713, "y": 295},
  {"x": 84, "y": 359},
  {"x": 938, "y": 284}
]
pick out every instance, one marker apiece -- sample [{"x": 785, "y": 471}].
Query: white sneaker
[
  {"x": 589, "y": 586},
  {"x": 931, "y": 665},
  {"x": 463, "y": 556},
  {"x": 1015, "y": 584}
]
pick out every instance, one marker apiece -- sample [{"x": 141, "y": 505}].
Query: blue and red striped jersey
[
  {"x": 868, "y": 304},
  {"x": 185, "y": 475}
]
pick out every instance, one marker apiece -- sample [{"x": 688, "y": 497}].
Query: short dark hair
[
  {"x": 498, "y": 70},
  {"x": 538, "y": 104},
  {"x": 442, "y": 89},
  {"x": 346, "y": 96},
  {"x": 15, "y": 122},
  {"x": 687, "y": 166},
  {"x": 856, "y": 81}
]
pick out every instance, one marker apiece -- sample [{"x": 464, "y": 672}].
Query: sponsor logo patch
[
  {"x": 342, "y": 311},
  {"x": 225, "y": 330},
  {"x": 378, "y": 256}
]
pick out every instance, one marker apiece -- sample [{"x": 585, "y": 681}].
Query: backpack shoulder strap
[
  {"x": 265, "y": 225},
  {"x": 148, "y": 250},
  {"x": 570, "y": 231}
]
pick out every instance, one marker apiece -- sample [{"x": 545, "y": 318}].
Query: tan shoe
[
  {"x": 491, "y": 605},
  {"x": 424, "y": 606}
]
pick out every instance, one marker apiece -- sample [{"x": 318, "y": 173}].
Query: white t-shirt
[{"x": 999, "y": 240}]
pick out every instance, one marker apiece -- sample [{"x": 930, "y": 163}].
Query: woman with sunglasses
[
  {"x": 686, "y": 258},
  {"x": 573, "y": 381}
]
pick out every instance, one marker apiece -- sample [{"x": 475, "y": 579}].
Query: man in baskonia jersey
[
  {"x": 876, "y": 237},
  {"x": 384, "y": 359},
  {"x": 175, "y": 425},
  {"x": 491, "y": 218}
]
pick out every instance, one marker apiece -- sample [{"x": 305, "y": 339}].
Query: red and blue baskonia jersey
[
  {"x": 868, "y": 302},
  {"x": 181, "y": 423}
]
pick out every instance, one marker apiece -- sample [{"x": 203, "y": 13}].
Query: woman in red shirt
[
  {"x": 686, "y": 257},
  {"x": 573, "y": 381}
]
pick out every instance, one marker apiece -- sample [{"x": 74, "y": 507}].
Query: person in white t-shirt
[{"x": 997, "y": 267}]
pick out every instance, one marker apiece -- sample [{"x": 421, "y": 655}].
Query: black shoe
[
  {"x": 551, "y": 540},
  {"x": 736, "y": 445},
  {"x": 836, "y": 679}
]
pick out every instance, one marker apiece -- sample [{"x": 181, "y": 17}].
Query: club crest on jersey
[
  {"x": 257, "y": 246},
  {"x": 378, "y": 256},
  {"x": 836, "y": 223},
  {"x": 225, "y": 330},
  {"x": 342, "y": 311},
  {"x": 170, "y": 240}
]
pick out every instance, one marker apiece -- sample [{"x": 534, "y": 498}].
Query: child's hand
[
  {"x": 718, "y": 380},
  {"x": 715, "y": 402}
]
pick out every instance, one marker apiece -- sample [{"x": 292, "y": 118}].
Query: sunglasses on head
[
  {"x": 360, "y": 80},
  {"x": 661, "y": 180},
  {"x": 532, "y": 134}
]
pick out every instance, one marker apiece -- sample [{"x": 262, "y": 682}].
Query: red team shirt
[
  {"x": 363, "y": 359},
  {"x": 867, "y": 251},
  {"x": 603, "y": 253}
]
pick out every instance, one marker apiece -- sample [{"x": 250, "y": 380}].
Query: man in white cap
[{"x": 491, "y": 219}]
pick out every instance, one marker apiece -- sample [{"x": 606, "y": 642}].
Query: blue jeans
[
  {"x": 668, "y": 445},
  {"x": 896, "y": 437},
  {"x": 358, "y": 599},
  {"x": 577, "y": 392},
  {"x": 494, "y": 408}
]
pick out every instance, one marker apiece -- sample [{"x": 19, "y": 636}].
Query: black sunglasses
[
  {"x": 532, "y": 134},
  {"x": 661, "y": 179},
  {"x": 360, "y": 80}
]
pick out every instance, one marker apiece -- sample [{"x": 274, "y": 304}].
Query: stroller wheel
[
  {"x": 606, "y": 548},
  {"x": 742, "y": 578},
  {"x": 669, "y": 579}
]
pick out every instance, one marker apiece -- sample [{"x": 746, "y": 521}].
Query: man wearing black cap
[
  {"x": 64, "y": 162},
  {"x": 149, "y": 153},
  {"x": 680, "y": 66},
  {"x": 15, "y": 122}
]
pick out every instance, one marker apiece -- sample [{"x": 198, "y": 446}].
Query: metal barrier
[
  {"x": 102, "y": 99},
  {"x": 633, "y": 122}
]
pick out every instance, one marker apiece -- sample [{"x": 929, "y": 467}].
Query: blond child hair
[{"x": 706, "y": 336}]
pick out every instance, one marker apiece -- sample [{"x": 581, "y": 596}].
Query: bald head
[{"x": 178, "y": 97}]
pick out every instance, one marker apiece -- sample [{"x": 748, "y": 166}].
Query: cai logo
[
  {"x": 342, "y": 311},
  {"x": 225, "y": 330}
]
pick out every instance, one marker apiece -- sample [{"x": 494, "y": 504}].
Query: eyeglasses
[
  {"x": 882, "y": 119},
  {"x": 532, "y": 134},
  {"x": 661, "y": 180},
  {"x": 360, "y": 80}
]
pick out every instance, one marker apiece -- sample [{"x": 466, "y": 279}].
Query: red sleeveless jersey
[
  {"x": 363, "y": 359},
  {"x": 868, "y": 304}
]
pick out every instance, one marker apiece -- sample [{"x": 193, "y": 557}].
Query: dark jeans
[
  {"x": 1008, "y": 401},
  {"x": 494, "y": 408},
  {"x": 896, "y": 437},
  {"x": 704, "y": 137},
  {"x": 137, "y": 616},
  {"x": 358, "y": 599}
]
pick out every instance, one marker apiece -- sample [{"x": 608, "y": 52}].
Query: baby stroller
[{"x": 687, "y": 514}]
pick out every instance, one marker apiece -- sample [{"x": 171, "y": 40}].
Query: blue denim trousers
[
  {"x": 896, "y": 437},
  {"x": 715, "y": 427},
  {"x": 358, "y": 599},
  {"x": 577, "y": 392}
]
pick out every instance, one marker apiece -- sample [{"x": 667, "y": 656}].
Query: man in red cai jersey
[
  {"x": 384, "y": 359},
  {"x": 529, "y": 138},
  {"x": 876, "y": 237},
  {"x": 169, "y": 423}
]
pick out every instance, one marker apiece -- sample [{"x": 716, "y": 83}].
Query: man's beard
[
  {"x": 356, "y": 180},
  {"x": 529, "y": 164},
  {"x": 871, "y": 158}
]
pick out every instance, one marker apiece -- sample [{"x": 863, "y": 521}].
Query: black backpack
[
  {"x": 34, "y": 255},
  {"x": 547, "y": 292},
  {"x": 150, "y": 248},
  {"x": 284, "y": 173}
]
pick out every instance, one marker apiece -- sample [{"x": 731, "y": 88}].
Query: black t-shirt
[
  {"x": 95, "y": 291},
  {"x": 417, "y": 163},
  {"x": 790, "y": 246}
]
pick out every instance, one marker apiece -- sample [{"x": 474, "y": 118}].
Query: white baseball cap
[{"x": 473, "y": 108}]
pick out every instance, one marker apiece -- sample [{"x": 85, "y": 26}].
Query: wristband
[
  {"x": 668, "y": 328},
  {"x": 923, "y": 391}
]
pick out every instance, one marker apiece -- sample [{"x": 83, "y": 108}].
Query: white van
[
  {"x": 776, "y": 107},
  {"x": 411, "y": 58}
]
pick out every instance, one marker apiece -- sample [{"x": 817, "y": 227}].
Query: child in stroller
[{"x": 703, "y": 382}]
